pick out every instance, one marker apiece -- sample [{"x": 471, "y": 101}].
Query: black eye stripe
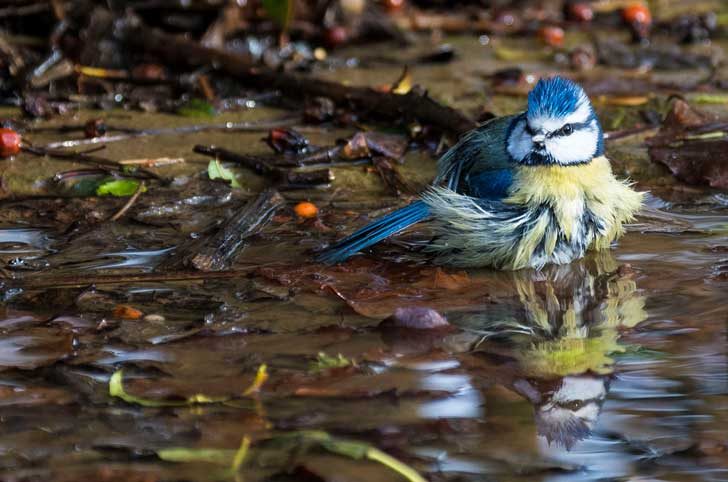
[{"x": 573, "y": 126}]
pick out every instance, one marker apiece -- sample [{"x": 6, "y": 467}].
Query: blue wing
[
  {"x": 478, "y": 165},
  {"x": 492, "y": 184},
  {"x": 480, "y": 153},
  {"x": 374, "y": 232}
]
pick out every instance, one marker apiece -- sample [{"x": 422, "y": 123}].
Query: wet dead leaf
[
  {"x": 375, "y": 288},
  {"x": 449, "y": 281},
  {"x": 14, "y": 396},
  {"x": 692, "y": 147},
  {"x": 416, "y": 318},
  {"x": 682, "y": 116},
  {"x": 366, "y": 144},
  {"x": 34, "y": 348},
  {"x": 696, "y": 162}
]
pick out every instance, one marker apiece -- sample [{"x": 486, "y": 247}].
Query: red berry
[
  {"x": 336, "y": 36},
  {"x": 393, "y": 5},
  {"x": 9, "y": 142},
  {"x": 553, "y": 36},
  {"x": 579, "y": 12},
  {"x": 637, "y": 13}
]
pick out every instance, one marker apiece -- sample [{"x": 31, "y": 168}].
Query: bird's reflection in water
[{"x": 558, "y": 338}]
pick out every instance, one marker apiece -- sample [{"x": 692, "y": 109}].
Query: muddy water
[{"x": 612, "y": 368}]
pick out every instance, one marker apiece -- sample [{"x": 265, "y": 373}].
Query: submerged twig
[
  {"x": 81, "y": 281},
  {"x": 159, "y": 161},
  {"x": 260, "y": 165},
  {"x": 102, "y": 162},
  {"x": 328, "y": 155},
  {"x": 139, "y": 190},
  {"x": 131, "y": 133},
  {"x": 62, "y": 176},
  {"x": 621, "y": 134}
]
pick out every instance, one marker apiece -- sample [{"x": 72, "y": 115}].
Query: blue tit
[{"x": 520, "y": 191}]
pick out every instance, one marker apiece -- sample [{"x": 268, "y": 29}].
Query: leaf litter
[{"x": 385, "y": 358}]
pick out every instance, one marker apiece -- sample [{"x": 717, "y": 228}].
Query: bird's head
[
  {"x": 569, "y": 413},
  {"x": 558, "y": 128}
]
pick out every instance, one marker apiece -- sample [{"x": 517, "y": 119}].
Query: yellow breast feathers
[{"x": 570, "y": 190}]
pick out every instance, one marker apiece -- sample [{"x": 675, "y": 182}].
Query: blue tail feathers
[{"x": 374, "y": 232}]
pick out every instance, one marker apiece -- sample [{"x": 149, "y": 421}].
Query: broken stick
[{"x": 219, "y": 250}]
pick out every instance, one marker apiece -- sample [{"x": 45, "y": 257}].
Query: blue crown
[{"x": 554, "y": 97}]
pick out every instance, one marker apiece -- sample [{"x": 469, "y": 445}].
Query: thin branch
[
  {"x": 413, "y": 105},
  {"x": 93, "y": 160},
  {"x": 139, "y": 190},
  {"x": 81, "y": 281},
  {"x": 261, "y": 126}
]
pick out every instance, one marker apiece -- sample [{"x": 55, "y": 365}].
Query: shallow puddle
[{"x": 612, "y": 368}]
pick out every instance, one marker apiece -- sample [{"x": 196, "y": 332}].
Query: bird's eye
[{"x": 567, "y": 129}]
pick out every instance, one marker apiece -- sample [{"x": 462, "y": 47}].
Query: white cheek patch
[
  {"x": 519, "y": 142},
  {"x": 589, "y": 414},
  {"x": 577, "y": 147},
  {"x": 580, "y": 388},
  {"x": 550, "y": 124}
]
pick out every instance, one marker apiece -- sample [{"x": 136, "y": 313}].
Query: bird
[{"x": 518, "y": 191}]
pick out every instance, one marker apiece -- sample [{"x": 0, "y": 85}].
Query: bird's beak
[{"x": 538, "y": 138}]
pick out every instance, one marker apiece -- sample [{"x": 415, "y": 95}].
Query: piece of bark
[
  {"x": 218, "y": 251},
  {"x": 391, "y": 176}
]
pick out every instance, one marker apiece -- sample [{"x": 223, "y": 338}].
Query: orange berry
[
  {"x": 306, "y": 210},
  {"x": 637, "y": 13},
  {"x": 9, "y": 142},
  {"x": 553, "y": 36},
  {"x": 126, "y": 312}
]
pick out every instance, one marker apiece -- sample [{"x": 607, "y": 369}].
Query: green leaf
[
  {"x": 181, "y": 454},
  {"x": 197, "y": 108},
  {"x": 298, "y": 441},
  {"x": 118, "y": 187},
  {"x": 280, "y": 11},
  {"x": 387, "y": 460},
  {"x": 116, "y": 389},
  {"x": 215, "y": 170},
  {"x": 347, "y": 448},
  {"x": 710, "y": 98}
]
